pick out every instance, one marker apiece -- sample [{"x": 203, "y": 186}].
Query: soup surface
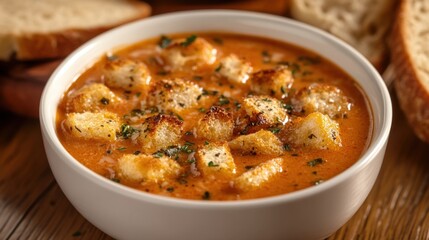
[{"x": 215, "y": 116}]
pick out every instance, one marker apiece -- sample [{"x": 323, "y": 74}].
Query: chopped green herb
[
  {"x": 104, "y": 101},
  {"x": 206, "y": 195},
  {"x": 274, "y": 130},
  {"x": 205, "y": 92},
  {"x": 203, "y": 110},
  {"x": 266, "y": 100},
  {"x": 212, "y": 164},
  {"x": 179, "y": 117},
  {"x": 164, "y": 41},
  {"x": 206, "y": 143},
  {"x": 192, "y": 160},
  {"x": 158, "y": 154},
  {"x": 153, "y": 109},
  {"x": 282, "y": 89},
  {"x": 237, "y": 105},
  {"x": 121, "y": 149},
  {"x": 286, "y": 147},
  {"x": 137, "y": 152},
  {"x": 223, "y": 100},
  {"x": 188, "y": 133},
  {"x": 218, "y": 68},
  {"x": 288, "y": 107},
  {"x": 137, "y": 112},
  {"x": 315, "y": 162},
  {"x": 218, "y": 40},
  {"x": 126, "y": 131},
  {"x": 189, "y": 40},
  {"x": 172, "y": 151}
]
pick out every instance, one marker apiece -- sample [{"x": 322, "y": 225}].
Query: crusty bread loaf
[
  {"x": 53, "y": 28},
  {"x": 364, "y": 24},
  {"x": 410, "y": 61}
]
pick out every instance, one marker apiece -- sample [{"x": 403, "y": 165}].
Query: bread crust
[
  {"x": 412, "y": 94},
  {"x": 36, "y": 46}
]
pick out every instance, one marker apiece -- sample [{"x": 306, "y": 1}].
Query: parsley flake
[
  {"x": 315, "y": 162},
  {"x": 188, "y": 41}
]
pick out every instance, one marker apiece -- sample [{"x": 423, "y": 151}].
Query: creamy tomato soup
[{"x": 215, "y": 116}]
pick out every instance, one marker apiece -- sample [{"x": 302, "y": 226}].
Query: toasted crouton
[
  {"x": 316, "y": 131},
  {"x": 215, "y": 159},
  {"x": 98, "y": 126},
  {"x": 126, "y": 74},
  {"x": 192, "y": 52},
  {"x": 322, "y": 98},
  {"x": 234, "y": 69},
  {"x": 261, "y": 142},
  {"x": 258, "y": 176},
  {"x": 160, "y": 131},
  {"x": 147, "y": 168},
  {"x": 274, "y": 82},
  {"x": 265, "y": 110},
  {"x": 174, "y": 95},
  {"x": 91, "y": 98},
  {"x": 216, "y": 125}
]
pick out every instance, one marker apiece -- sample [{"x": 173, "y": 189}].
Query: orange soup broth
[{"x": 355, "y": 130}]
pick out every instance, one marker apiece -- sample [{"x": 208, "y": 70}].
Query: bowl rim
[{"x": 375, "y": 146}]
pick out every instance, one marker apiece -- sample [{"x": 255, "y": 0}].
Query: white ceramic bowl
[{"x": 125, "y": 213}]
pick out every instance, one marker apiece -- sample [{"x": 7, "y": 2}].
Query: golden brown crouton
[
  {"x": 174, "y": 95},
  {"x": 258, "y": 176},
  {"x": 274, "y": 82},
  {"x": 126, "y": 74},
  {"x": 215, "y": 159},
  {"x": 261, "y": 142},
  {"x": 265, "y": 110},
  {"x": 160, "y": 131},
  {"x": 91, "y": 98},
  {"x": 234, "y": 69},
  {"x": 147, "y": 168},
  {"x": 216, "y": 125},
  {"x": 316, "y": 131},
  {"x": 322, "y": 98},
  {"x": 191, "y": 52},
  {"x": 98, "y": 126}
]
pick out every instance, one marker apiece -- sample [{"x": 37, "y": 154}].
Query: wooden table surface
[{"x": 32, "y": 205}]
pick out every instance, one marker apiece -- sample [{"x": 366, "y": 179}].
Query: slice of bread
[
  {"x": 410, "y": 61},
  {"x": 364, "y": 24},
  {"x": 42, "y": 29}
]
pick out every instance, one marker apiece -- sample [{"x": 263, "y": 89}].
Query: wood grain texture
[{"x": 32, "y": 205}]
